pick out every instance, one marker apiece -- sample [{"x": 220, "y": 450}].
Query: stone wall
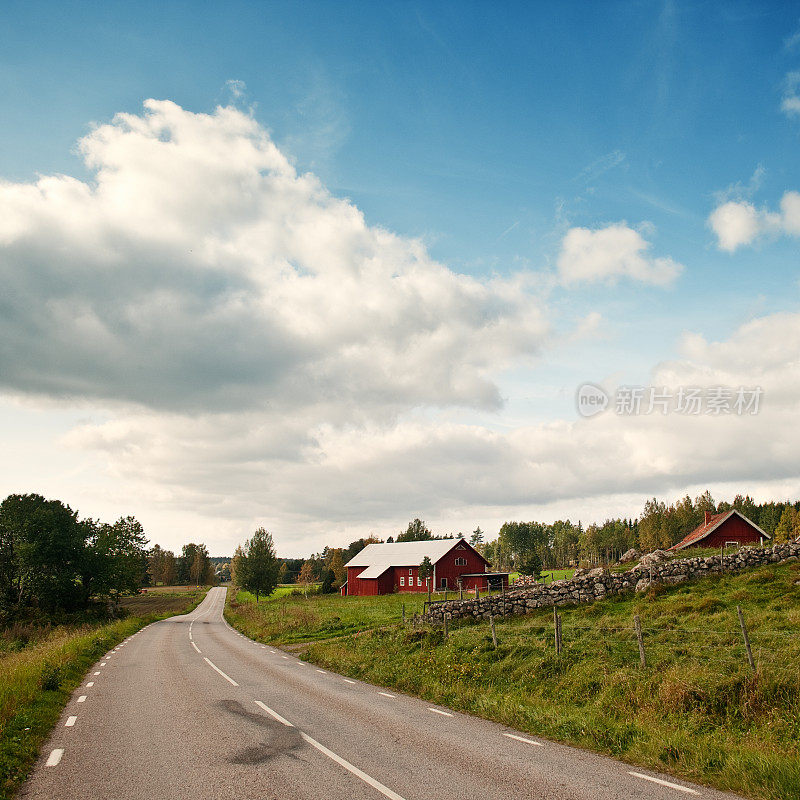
[{"x": 599, "y": 583}]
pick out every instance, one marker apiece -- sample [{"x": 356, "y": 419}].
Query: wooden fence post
[
  {"x": 637, "y": 624},
  {"x": 503, "y": 593},
  {"x": 746, "y": 639},
  {"x": 557, "y": 626},
  {"x": 494, "y": 635},
  {"x": 476, "y": 592}
]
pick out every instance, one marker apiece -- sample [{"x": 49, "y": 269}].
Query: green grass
[
  {"x": 558, "y": 574},
  {"x": 696, "y": 711},
  {"x": 41, "y": 664},
  {"x": 292, "y": 618}
]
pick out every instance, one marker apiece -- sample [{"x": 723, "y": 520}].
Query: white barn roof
[{"x": 379, "y": 557}]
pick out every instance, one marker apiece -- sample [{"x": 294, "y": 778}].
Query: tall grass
[
  {"x": 697, "y": 710},
  {"x": 41, "y": 664}
]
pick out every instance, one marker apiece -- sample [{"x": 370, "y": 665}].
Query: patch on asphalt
[{"x": 279, "y": 740}]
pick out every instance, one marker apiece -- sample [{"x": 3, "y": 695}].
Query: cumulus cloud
[
  {"x": 610, "y": 253},
  {"x": 738, "y": 222},
  {"x": 312, "y": 475},
  {"x": 200, "y": 270}
]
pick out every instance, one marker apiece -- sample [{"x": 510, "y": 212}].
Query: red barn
[
  {"x": 719, "y": 530},
  {"x": 387, "y": 568}
]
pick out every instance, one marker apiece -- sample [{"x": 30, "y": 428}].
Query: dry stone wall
[{"x": 599, "y": 583}]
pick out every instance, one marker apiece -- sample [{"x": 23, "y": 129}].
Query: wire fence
[{"x": 658, "y": 646}]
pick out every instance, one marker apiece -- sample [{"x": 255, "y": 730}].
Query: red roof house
[
  {"x": 718, "y": 530},
  {"x": 394, "y": 567}
]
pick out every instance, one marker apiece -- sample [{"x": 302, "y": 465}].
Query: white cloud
[
  {"x": 610, "y": 253},
  {"x": 738, "y": 222},
  {"x": 200, "y": 270},
  {"x": 327, "y": 481},
  {"x": 790, "y": 105},
  {"x": 251, "y": 351}
]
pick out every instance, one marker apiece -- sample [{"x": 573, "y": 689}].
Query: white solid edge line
[
  {"x": 82, "y": 698},
  {"x": 664, "y": 783},
  {"x": 54, "y": 757},
  {"x": 443, "y": 713},
  {"x": 195, "y": 647},
  {"x": 523, "y": 739},
  {"x": 386, "y": 694},
  {"x": 70, "y": 722},
  {"x": 370, "y": 781},
  {"x": 217, "y": 669},
  {"x": 274, "y": 714}
]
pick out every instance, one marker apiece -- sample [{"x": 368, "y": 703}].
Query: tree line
[
  {"x": 52, "y": 561},
  {"x": 529, "y": 547}
]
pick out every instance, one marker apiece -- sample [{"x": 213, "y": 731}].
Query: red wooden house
[
  {"x": 394, "y": 567},
  {"x": 719, "y": 530}
]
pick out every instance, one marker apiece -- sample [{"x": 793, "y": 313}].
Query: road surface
[{"x": 189, "y": 708}]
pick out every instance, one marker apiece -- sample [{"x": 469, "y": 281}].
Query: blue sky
[{"x": 486, "y": 132}]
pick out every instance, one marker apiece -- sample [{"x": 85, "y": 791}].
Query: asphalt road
[{"x": 189, "y": 708}]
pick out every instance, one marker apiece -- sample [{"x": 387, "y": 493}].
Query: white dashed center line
[
  {"x": 102, "y": 663},
  {"x": 54, "y": 758},
  {"x": 217, "y": 669},
  {"x": 90, "y": 684},
  {"x": 443, "y": 713},
  {"x": 664, "y": 783},
  {"x": 322, "y": 671},
  {"x": 96, "y": 673},
  {"x": 347, "y": 680},
  {"x": 386, "y": 694},
  {"x": 195, "y": 647},
  {"x": 523, "y": 739},
  {"x": 286, "y": 657},
  {"x": 70, "y": 722},
  {"x": 82, "y": 698}
]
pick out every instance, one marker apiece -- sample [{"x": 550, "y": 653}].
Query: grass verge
[
  {"x": 38, "y": 675},
  {"x": 696, "y": 710}
]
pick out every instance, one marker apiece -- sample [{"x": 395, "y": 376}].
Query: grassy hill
[{"x": 696, "y": 710}]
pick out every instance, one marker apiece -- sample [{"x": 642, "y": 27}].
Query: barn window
[
  {"x": 444, "y": 583},
  {"x": 419, "y": 581},
  {"x": 411, "y": 570},
  {"x": 461, "y": 562},
  {"x": 402, "y": 581}
]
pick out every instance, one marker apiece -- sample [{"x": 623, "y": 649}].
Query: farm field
[
  {"x": 287, "y": 618},
  {"x": 696, "y": 710},
  {"x": 41, "y": 664}
]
